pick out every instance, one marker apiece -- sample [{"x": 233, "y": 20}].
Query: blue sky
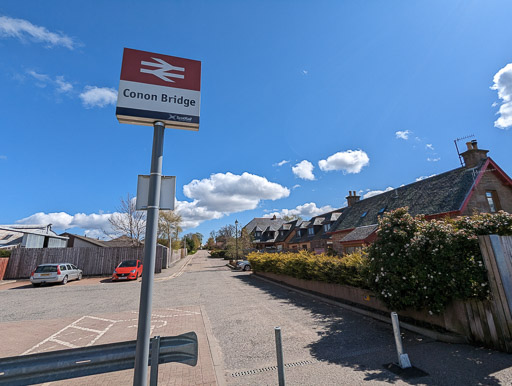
[{"x": 300, "y": 103}]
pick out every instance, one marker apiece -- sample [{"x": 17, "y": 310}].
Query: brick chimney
[
  {"x": 352, "y": 198},
  {"x": 473, "y": 155}
]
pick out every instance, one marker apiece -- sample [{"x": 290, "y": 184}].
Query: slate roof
[
  {"x": 442, "y": 193},
  {"x": 12, "y": 235},
  {"x": 319, "y": 222},
  {"x": 266, "y": 225},
  {"x": 96, "y": 242},
  {"x": 287, "y": 228},
  {"x": 360, "y": 233}
]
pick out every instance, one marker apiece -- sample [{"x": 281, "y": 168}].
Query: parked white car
[{"x": 55, "y": 273}]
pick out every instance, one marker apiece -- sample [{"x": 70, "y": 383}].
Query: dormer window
[
  {"x": 326, "y": 227},
  {"x": 257, "y": 234},
  {"x": 311, "y": 231},
  {"x": 492, "y": 200}
]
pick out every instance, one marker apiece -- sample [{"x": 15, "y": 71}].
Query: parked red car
[{"x": 128, "y": 270}]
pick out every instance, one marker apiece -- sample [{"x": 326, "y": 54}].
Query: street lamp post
[{"x": 236, "y": 238}]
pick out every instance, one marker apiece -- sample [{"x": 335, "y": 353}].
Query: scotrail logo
[{"x": 162, "y": 70}]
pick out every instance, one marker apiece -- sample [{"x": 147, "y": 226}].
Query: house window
[
  {"x": 326, "y": 227},
  {"x": 7, "y": 237},
  {"x": 257, "y": 233},
  {"x": 364, "y": 214},
  {"x": 492, "y": 199},
  {"x": 311, "y": 231},
  {"x": 381, "y": 211}
]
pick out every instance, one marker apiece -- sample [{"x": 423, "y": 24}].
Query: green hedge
[
  {"x": 349, "y": 269},
  {"x": 5, "y": 252}
]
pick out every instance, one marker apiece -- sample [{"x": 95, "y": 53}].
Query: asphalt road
[{"x": 323, "y": 344}]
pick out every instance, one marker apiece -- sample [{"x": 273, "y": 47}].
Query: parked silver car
[
  {"x": 244, "y": 265},
  {"x": 55, "y": 273}
]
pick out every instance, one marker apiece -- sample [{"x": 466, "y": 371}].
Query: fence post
[
  {"x": 279, "y": 352},
  {"x": 403, "y": 359}
]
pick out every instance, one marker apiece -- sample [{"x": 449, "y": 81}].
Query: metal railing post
[
  {"x": 155, "y": 355},
  {"x": 403, "y": 359},
  {"x": 279, "y": 352}
]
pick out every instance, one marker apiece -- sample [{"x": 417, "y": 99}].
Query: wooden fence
[
  {"x": 491, "y": 321},
  {"x": 92, "y": 261}
]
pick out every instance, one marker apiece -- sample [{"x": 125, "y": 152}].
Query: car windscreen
[
  {"x": 46, "y": 268},
  {"x": 128, "y": 263}
]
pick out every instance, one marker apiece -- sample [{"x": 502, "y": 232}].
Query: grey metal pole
[
  {"x": 155, "y": 356},
  {"x": 279, "y": 352},
  {"x": 140, "y": 377},
  {"x": 403, "y": 358}
]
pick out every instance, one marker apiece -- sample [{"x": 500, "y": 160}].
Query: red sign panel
[{"x": 162, "y": 70}]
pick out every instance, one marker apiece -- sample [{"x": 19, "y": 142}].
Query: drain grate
[{"x": 272, "y": 368}]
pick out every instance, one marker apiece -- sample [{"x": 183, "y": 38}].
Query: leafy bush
[
  {"x": 218, "y": 254},
  {"x": 308, "y": 266},
  {"x": 5, "y": 252},
  {"x": 422, "y": 264}
]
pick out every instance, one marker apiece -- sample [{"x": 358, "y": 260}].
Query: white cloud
[
  {"x": 429, "y": 146},
  {"x": 304, "y": 170},
  {"x": 3, "y": 156},
  {"x": 62, "y": 85},
  {"x": 23, "y": 30},
  {"x": 403, "y": 134},
  {"x": 433, "y": 159},
  {"x": 503, "y": 84},
  {"x": 59, "y": 82},
  {"x": 420, "y": 178},
  {"x": 93, "y": 96},
  {"x": 225, "y": 193},
  {"x": 305, "y": 211},
  {"x": 372, "y": 193},
  {"x": 295, "y": 186},
  {"x": 63, "y": 220},
  {"x": 350, "y": 161},
  {"x": 283, "y": 162}
]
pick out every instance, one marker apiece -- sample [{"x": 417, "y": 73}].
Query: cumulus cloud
[
  {"x": 372, "y": 193},
  {"x": 225, "y": 193},
  {"x": 25, "y": 30},
  {"x": 305, "y": 211},
  {"x": 403, "y": 134},
  {"x": 304, "y": 170},
  {"x": 350, "y": 161},
  {"x": 93, "y": 96},
  {"x": 63, "y": 220},
  {"x": 283, "y": 162},
  {"x": 502, "y": 82}
]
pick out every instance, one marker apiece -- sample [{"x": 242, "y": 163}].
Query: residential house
[
  {"x": 30, "y": 236},
  {"x": 285, "y": 233},
  {"x": 479, "y": 186},
  {"x": 313, "y": 235},
  {"x": 264, "y": 231}
]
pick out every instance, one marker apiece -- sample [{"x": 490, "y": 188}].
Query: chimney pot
[
  {"x": 475, "y": 144},
  {"x": 469, "y": 145},
  {"x": 473, "y": 156}
]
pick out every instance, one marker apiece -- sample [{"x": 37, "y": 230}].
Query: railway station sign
[{"x": 155, "y": 87}]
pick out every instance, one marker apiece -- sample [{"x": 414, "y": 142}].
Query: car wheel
[
  {"x": 65, "y": 280},
  {"x": 79, "y": 276},
  {"x": 36, "y": 284},
  {"x": 247, "y": 268}
]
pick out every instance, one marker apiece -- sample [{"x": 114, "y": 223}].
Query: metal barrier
[{"x": 80, "y": 362}]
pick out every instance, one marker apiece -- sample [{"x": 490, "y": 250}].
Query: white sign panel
[
  {"x": 167, "y": 192},
  {"x": 155, "y": 87}
]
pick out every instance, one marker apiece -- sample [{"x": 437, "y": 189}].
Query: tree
[
  {"x": 244, "y": 244},
  {"x": 192, "y": 240},
  {"x": 127, "y": 221},
  {"x": 169, "y": 226},
  {"x": 210, "y": 244}
]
